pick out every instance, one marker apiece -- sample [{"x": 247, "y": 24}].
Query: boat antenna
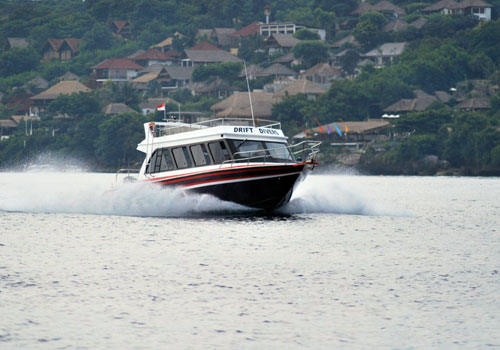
[{"x": 249, "y": 94}]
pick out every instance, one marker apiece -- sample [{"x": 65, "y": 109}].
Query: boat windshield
[{"x": 259, "y": 151}]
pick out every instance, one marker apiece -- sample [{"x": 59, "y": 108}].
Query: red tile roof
[
  {"x": 205, "y": 45},
  {"x": 155, "y": 54},
  {"x": 250, "y": 29},
  {"x": 118, "y": 63}
]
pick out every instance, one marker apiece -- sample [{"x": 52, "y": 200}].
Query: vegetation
[{"x": 446, "y": 52}]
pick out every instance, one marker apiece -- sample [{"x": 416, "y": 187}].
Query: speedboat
[{"x": 245, "y": 161}]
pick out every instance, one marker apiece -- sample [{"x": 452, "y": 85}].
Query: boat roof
[{"x": 173, "y": 132}]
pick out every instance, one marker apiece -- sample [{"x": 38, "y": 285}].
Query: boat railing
[
  {"x": 302, "y": 151},
  {"x": 166, "y": 129},
  {"x": 127, "y": 173}
]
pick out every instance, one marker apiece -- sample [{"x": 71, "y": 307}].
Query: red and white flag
[{"x": 161, "y": 107}]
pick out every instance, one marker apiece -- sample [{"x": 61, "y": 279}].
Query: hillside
[{"x": 436, "y": 68}]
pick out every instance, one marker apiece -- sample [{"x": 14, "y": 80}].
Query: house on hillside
[
  {"x": 18, "y": 119},
  {"x": 277, "y": 70},
  {"x": 19, "y": 103},
  {"x": 238, "y": 105},
  {"x": 69, "y": 76},
  {"x": 205, "y": 53},
  {"x": 396, "y": 25},
  {"x": 249, "y": 30},
  {"x": 385, "y": 53},
  {"x": 280, "y": 43},
  {"x": 121, "y": 29},
  {"x": 18, "y": 43},
  {"x": 168, "y": 78},
  {"x": 36, "y": 84},
  {"x": 7, "y": 128},
  {"x": 151, "y": 104},
  {"x": 383, "y": 6},
  {"x": 478, "y": 8},
  {"x": 267, "y": 29},
  {"x": 60, "y": 49},
  {"x": 155, "y": 56},
  {"x": 418, "y": 23},
  {"x": 253, "y": 71},
  {"x": 322, "y": 74},
  {"x": 349, "y": 41},
  {"x": 287, "y": 59},
  {"x": 474, "y": 104},
  {"x": 215, "y": 87},
  {"x": 43, "y": 99},
  {"x": 168, "y": 43},
  {"x": 116, "y": 69},
  {"x": 117, "y": 108},
  {"x": 223, "y": 37},
  {"x": 419, "y": 103},
  {"x": 357, "y": 133},
  {"x": 300, "y": 86},
  {"x": 445, "y": 7}
]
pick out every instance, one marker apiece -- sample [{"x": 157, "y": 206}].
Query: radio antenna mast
[{"x": 249, "y": 94}]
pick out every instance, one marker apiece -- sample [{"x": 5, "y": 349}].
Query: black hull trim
[
  {"x": 266, "y": 187},
  {"x": 268, "y": 193}
]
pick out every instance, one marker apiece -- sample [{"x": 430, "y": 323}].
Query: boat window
[
  {"x": 219, "y": 151},
  {"x": 160, "y": 161},
  {"x": 200, "y": 155},
  {"x": 181, "y": 157},
  {"x": 278, "y": 151},
  {"x": 249, "y": 150}
]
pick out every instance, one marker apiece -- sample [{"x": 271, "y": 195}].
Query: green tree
[
  {"x": 15, "y": 61},
  {"x": 227, "y": 70},
  {"x": 311, "y": 52},
  {"x": 98, "y": 38},
  {"x": 349, "y": 61},
  {"x": 306, "y": 34},
  {"x": 425, "y": 122},
  {"x": 368, "y": 31},
  {"x": 326, "y": 20},
  {"x": 118, "y": 139},
  {"x": 76, "y": 104}
]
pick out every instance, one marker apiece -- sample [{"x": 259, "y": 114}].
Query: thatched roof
[
  {"x": 224, "y": 37},
  {"x": 19, "y": 118},
  {"x": 474, "y": 104},
  {"x": 282, "y": 40},
  {"x": 382, "y": 6},
  {"x": 117, "y": 108},
  {"x": 395, "y": 25},
  {"x": 301, "y": 86},
  {"x": 349, "y": 39},
  {"x": 276, "y": 69},
  {"x": 118, "y": 63},
  {"x": 7, "y": 123},
  {"x": 251, "y": 29},
  {"x": 238, "y": 105},
  {"x": 65, "y": 87},
  {"x": 211, "y": 56},
  {"x": 288, "y": 58},
  {"x": 387, "y": 49},
  {"x": 20, "y": 43},
  {"x": 322, "y": 69}
]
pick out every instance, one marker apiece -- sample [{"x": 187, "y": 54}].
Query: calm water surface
[{"x": 353, "y": 262}]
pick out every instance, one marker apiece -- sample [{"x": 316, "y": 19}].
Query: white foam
[{"x": 91, "y": 193}]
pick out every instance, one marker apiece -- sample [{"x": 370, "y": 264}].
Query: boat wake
[{"x": 90, "y": 193}]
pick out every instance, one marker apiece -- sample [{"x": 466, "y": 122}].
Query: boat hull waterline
[{"x": 259, "y": 186}]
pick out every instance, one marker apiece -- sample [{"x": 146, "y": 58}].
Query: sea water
[{"x": 353, "y": 262}]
